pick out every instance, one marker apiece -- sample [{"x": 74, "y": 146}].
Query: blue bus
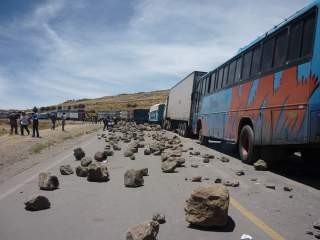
[{"x": 268, "y": 94}]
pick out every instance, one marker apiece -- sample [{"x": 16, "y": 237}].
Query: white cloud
[{"x": 161, "y": 43}]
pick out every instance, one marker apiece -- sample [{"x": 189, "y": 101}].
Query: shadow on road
[
  {"x": 228, "y": 228},
  {"x": 292, "y": 167}
]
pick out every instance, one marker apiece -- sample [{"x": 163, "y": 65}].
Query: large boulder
[
  {"x": 147, "y": 151},
  {"x": 82, "y": 171},
  {"x": 169, "y": 166},
  {"x": 260, "y": 165},
  {"x": 37, "y": 203},
  {"x": 78, "y": 153},
  {"x": 159, "y": 217},
  {"x": 48, "y": 182},
  {"x": 144, "y": 231},
  {"x": 100, "y": 156},
  {"x": 97, "y": 173},
  {"x": 208, "y": 206},
  {"x": 133, "y": 178},
  {"x": 66, "y": 170}
]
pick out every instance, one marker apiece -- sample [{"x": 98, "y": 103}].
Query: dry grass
[{"x": 122, "y": 101}]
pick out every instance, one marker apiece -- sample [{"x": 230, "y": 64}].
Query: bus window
[
  {"x": 295, "y": 41},
  {"x": 238, "y": 70},
  {"x": 308, "y": 32},
  {"x": 225, "y": 76},
  {"x": 220, "y": 78},
  {"x": 267, "y": 55},
  {"x": 246, "y": 65},
  {"x": 255, "y": 69},
  {"x": 232, "y": 70},
  {"x": 213, "y": 78},
  {"x": 280, "y": 52}
]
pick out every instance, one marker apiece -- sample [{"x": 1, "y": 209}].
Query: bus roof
[{"x": 275, "y": 28}]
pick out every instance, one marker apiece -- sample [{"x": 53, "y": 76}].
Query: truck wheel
[
  {"x": 248, "y": 152},
  {"x": 203, "y": 139}
]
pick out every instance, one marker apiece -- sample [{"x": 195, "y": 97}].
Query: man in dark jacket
[
  {"x": 53, "y": 118},
  {"x": 35, "y": 122},
  {"x": 13, "y": 117}
]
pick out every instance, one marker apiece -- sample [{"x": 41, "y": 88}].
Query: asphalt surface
[{"x": 87, "y": 210}]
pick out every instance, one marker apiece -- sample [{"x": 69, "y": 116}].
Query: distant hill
[{"x": 118, "y": 102}]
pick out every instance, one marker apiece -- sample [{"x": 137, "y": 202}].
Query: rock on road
[{"x": 90, "y": 210}]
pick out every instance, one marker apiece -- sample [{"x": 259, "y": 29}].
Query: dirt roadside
[{"x": 19, "y": 153}]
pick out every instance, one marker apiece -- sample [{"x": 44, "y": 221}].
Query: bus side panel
[
  {"x": 264, "y": 101},
  {"x": 314, "y": 102},
  {"x": 213, "y": 113}
]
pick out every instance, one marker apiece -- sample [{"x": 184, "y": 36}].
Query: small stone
[
  {"x": 316, "y": 224},
  {"x": 144, "y": 171},
  {"x": 224, "y": 159},
  {"x": 108, "y": 153},
  {"x": 231, "y": 183},
  {"x": 218, "y": 180},
  {"x": 66, "y": 170},
  {"x": 127, "y": 153},
  {"x": 287, "y": 188},
  {"x": 194, "y": 165},
  {"x": 271, "y": 186},
  {"x": 97, "y": 173},
  {"x": 86, "y": 161},
  {"x": 196, "y": 179},
  {"x": 81, "y": 171},
  {"x": 100, "y": 156},
  {"x": 133, "y": 178},
  {"x": 160, "y": 218},
  {"x": 48, "y": 182},
  {"x": 78, "y": 153},
  {"x": 168, "y": 166},
  {"x": 144, "y": 231},
  {"x": 206, "y": 178},
  {"x": 240, "y": 173},
  {"x": 206, "y": 160},
  {"x": 253, "y": 179},
  {"x": 37, "y": 203},
  {"x": 147, "y": 151},
  {"x": 260, "y": 165},
  {"x": 309, "y": 232},
  {"x": 132, "y": 157},
  {"x": 210, "y": 156}
]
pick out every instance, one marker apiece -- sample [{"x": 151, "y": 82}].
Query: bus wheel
[
  {"x": 248, "y": 152},
  {"x": 183, "y": 129},
  {"x": 203, "y": 139},
  {"x": 310, "y": 155}
]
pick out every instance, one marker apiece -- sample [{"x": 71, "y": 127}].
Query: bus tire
[
  {"x": 310, "y": 155},
  {"x": 203, "y": 139},
  {"x": 247, "y": 151}
]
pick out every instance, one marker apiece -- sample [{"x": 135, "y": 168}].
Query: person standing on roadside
[
  {"x": 63, "y": 120},
  {"x": 53, "y": 118},
  {"x": 13, "y": 117},
  {"x": 24, "y": 122},
  {"x": 105, "y": 123},
  {"x": 35, "y": 122}
]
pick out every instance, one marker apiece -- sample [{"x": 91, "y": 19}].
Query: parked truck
[
  {"x": 156, "y": 113},
  {"x": 140, "y": 115},
  {"x": 178, "y": 114}
]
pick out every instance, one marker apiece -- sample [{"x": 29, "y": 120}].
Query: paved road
[{"x": 85, "y": 210}]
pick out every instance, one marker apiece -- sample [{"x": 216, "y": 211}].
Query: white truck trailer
[{"x": 178, "y": 115}]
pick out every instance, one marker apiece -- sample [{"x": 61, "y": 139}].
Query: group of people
[
  {"x": 108, "y": 122},
  {"x": 25, "y": 120}
]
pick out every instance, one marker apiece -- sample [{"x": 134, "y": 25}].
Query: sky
[{"x": 57, "y": 50}]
